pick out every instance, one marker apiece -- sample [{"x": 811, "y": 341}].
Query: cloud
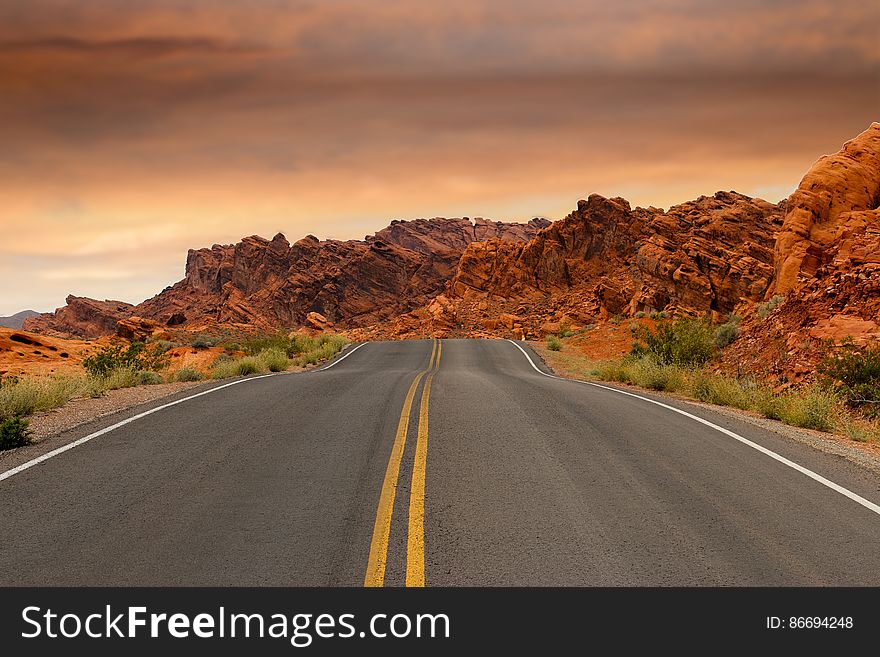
[
  {"x": 134, "y": 130},
  {"x": 142, "y": 46}
]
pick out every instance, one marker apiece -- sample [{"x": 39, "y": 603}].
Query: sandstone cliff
[
  {"x": 712, "y": 254},
  {"x": 840, "y": 192},
  {"x": 268, "y": 284},
  {"x": 827, "y": 264},
  {"x": 81, "y": 317}
]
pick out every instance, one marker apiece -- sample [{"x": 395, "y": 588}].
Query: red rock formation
[
  {"x": 711, "y": 254},
  {"x": 833, "y": 189},
  {"x": 828, "y": 263},
  {"x": 267, "y": 284},
  {"x": 81, "y": 317}
]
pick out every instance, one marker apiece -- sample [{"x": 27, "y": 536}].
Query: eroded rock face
[
  {"x": 828, "y": 268},
  {"x": 81, "y": 317},
  {"x": 267, "y": 284},
  {"x": 710, "y": 254},
  {"x": 833, "y": 193}
]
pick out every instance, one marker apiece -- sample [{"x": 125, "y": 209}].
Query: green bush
[
  {"x": 647, "y": 373},
  {"x": 855, "y": 374},
  {"x": 811, "y": 408},
  {"x": 764, "y": 309},
  {"x": 224, "y": 369},
  {"x": 683, "y": 342},
  {"x": 248, "y": 365},
  {"x": 148, "y": 378},
  {"x": 240, "y": 367},
  {"x": 202, "y": 342},
  {"x": 553, "y": 343},
  {"x": 187, "y": 374},
  {"x": 565, "y": 330},
  {"x": 160, "y": 347},
  {"x": 274, "y": 360},
  {"x": 40, "y": 393},
  {"x": 726, "y": 333},
  {"x": 14, "y": 433},
  {"x": 121, "y": 377},
  {"x": 281, "y": 341},
  {"x": 116, "y": 356}
]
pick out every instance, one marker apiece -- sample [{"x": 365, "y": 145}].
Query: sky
[{"x": 133, "y": 130}]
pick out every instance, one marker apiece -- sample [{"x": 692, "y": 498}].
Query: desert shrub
[
  {"x": 290, "y": 345},
  {"x": 723, "y": 391},
  {"x": 116, "y": 356},
  {"x": 222, "y": 358},
  {"x": 248, "y": 365},
  {"x": 855, "y": 374},
  {"x": 641, "y": 314},
  {"x": 187, "y": 374},
  {"x": 224, "y": 369},
  {"x": 14, "y": 433},
  {"x": 726, "y": 333},
  {"x": 565, "y": 330},
  {"x": 683, "y": 342},
  {"x": 274, "y": 359},
  {"x": 239, "y": 367},
  {"x": 121, "y": 377},
  {"x": 612, "y": 370},
  {"x": 160, "y": 347},
  {"x": 203, "y": 342},
  {"x": 764, "y": 309},
  {"x": 147, "y": 378},
  {"x": 648, "y": 373},
  {"x": 810, "y": 408},
  {"x": 553, "y": 343},
  {"x": 770, "y": 406},
  {"x": 660, "y": 315},
  {"x": 31, "y": 394}
]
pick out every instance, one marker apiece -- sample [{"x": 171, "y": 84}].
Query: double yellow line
[{"x": 415, "y": 545}]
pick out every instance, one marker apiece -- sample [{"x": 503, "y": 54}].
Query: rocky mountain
[
  {"x": 15, "y": 321},
  {"x": 817, "y": 255},
  {"x": 711, "y": 255},
  {"x": 269, "y": 284},
  {"x": 81, "y": 317}
]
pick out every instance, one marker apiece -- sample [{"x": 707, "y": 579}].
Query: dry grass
[{"x": 809, "y": 407}]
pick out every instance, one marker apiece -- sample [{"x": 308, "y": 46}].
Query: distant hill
[{"x": 15, "y": 321}]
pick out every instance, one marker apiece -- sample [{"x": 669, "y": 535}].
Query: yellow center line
[
  {"x": 375, "y": 575},
  {"x": 415, "y": 546}
]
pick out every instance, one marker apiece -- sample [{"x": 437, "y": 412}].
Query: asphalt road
[{"x": 452, "y": 463}]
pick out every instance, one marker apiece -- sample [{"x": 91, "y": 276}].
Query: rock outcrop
[
  {"x": 81, "y": 317},
  {"x": 827, "y": 264},
  {"x": 267, "y": 284},
  {"x": 839, "y": 190},
  {"x": 712, "y": 254}
]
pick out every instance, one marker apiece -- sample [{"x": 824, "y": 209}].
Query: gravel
[{"x": 85, "y": 409}]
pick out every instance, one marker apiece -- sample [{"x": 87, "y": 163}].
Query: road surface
[{"x": 436, "y": 463}]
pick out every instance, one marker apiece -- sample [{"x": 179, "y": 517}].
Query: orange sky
[{"x": 134, "y": 130}]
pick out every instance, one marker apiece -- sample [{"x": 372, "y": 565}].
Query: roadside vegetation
[
  {"x": 136, "y": 364},
  {"x": 676, "y": 357}
]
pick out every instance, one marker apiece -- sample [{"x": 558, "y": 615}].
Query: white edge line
[
  {"x": 773, "y": 455},
  {"x": 339, "y": 360},
  {"x": 76, "y": 443},
  {"x": 101, "y": 432}
]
